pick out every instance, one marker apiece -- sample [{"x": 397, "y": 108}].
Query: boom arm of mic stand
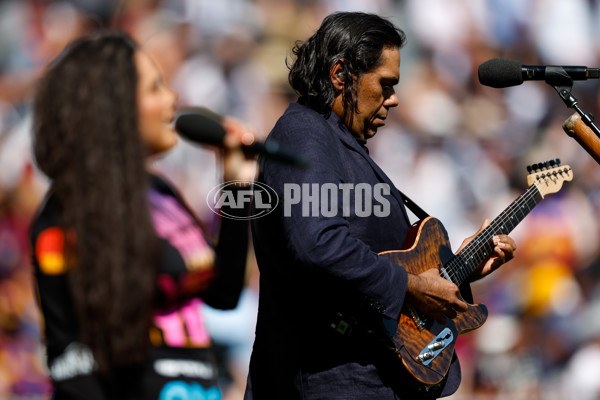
[{"x": 564, "y": 91}]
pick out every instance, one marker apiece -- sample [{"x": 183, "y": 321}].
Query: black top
[{"x": 192, "y": 272}]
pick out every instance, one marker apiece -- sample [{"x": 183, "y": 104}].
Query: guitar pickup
[{"x": 435, "y": 347}]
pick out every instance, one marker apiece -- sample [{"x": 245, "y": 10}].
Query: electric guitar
[{"x": 424, "y": 345}]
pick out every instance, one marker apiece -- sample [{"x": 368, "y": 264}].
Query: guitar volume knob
[
  {"x": 436, "y": 345},
  {"x": 425, "y": 356}
]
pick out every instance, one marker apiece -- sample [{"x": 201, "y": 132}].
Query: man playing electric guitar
[
  {"x": 318, "y": 252},
  {"x": 426, "y": 345}
]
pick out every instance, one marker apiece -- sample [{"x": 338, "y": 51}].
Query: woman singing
[{"x": 123, "y": 266}]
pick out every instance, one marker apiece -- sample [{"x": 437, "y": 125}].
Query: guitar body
[
  {"x": 427, "y": 246},
  {"x": 425, "y": 346}
]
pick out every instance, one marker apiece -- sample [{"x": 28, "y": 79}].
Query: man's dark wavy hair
[{"x": 356, "y": 38}]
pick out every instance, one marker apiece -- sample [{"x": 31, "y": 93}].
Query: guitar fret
[{"x": 463, "y": 264}]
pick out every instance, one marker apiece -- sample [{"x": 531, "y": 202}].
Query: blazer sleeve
[{"x": 323, "y": 243}]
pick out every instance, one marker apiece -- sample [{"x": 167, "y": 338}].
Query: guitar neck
[{"x": 468, "y": 259}]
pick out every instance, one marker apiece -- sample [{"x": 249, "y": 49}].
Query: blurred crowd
[{"x": 458, "y": 148}]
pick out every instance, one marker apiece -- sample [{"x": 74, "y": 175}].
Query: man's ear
[{"x": 337, "y": 75}]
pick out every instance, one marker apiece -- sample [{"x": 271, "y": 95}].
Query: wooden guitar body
[
  {"x": 425, "y": 346},
  {"x": 428, "y": 247}
]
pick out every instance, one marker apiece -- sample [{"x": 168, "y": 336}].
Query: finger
[
  {"x": 237, "y": 134},
  {"x": 500, "y": 255},
  {"x": 507, "y": 250},
  {"x": 506, "y": 240},
  {"x": 499, "y": 245},
  {"x": 460, "y": 306},
  {"x": 509, "y": 244},
  {"x": 484, "y": 225}
]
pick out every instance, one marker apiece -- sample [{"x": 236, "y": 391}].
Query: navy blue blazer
[{"x": 322, "y": 285}]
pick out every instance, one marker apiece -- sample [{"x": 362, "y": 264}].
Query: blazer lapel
[{"x": 350, "y": 142}]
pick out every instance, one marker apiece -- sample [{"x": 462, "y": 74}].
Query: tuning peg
[
  {"x": 557, "y": 162},
  {"x": 552, "y": 163},
  {"x": 547, "y": 165},
  {"x": 533, "y": 167},
  {"x": 529, "y": 169}
]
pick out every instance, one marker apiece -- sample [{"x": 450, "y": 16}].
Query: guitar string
[
  {"x": 483, "y": 239},
  {"x": 505, "y": 218},
  {"x": 463, "y": 264},
  {"x": 524, "y": 200},
  {"x": 486, "y": 235},
  {"x": 519, "y": 203}
]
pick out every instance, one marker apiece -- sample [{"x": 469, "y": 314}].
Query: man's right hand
[{"x": 434, "y": 295}]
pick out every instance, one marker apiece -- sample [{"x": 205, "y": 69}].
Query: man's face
[{"x": 375, "y": 93}]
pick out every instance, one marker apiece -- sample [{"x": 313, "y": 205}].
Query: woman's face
[{"x": 156, "y": 107}]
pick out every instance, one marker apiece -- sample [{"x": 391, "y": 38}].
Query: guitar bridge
[{"x": 435, "y": 347}]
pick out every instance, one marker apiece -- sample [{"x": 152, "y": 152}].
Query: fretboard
[{"x": 459, "y": 267}]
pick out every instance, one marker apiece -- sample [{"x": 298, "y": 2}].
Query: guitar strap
[
  {"x": 465, "y": 288},
  {"x": 412, "y": 206}
]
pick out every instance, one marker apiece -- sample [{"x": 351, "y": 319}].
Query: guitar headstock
[{"x": 549, "y": 176}]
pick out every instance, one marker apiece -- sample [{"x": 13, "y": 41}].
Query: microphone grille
[
  {"x": 200, "y": 125},
  {"x": 500, "y": 73}
]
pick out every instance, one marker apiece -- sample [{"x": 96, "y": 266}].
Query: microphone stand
[
  {"x": 582, "y": 128},
  {"x": 562, "y": 83}
]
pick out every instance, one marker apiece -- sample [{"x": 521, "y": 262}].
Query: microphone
[
  {"x": 501, "y": 73},
  {"x": 203, "y": 126}
]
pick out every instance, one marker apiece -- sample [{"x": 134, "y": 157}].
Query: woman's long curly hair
[
  {"x": 86, "y": 140},
  {"x": 355, "y": 40}
]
